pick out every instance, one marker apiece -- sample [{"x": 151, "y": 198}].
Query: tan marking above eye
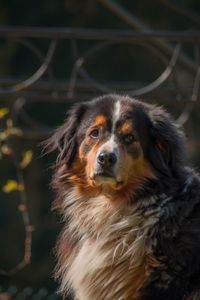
[
  {"x": 128, "y": 133},
  {"x": 100, "y": 120},
  {"x": 126, "y": 128}
]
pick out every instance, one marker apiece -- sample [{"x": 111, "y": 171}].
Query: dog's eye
[
  {"x": 128, "y": 139},
  {"x": 94, "y": 133}
]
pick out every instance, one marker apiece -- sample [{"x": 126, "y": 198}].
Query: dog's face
[
  {"x": 110, "y": 147},
  {"x": 115, "y": 143}
]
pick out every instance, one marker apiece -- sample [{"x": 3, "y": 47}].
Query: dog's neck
[
  {"x": 108, "y": 236},
  {"x": 92, "y": 216}
]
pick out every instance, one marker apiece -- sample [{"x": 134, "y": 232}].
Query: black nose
[{"x": 107, "y": 158}]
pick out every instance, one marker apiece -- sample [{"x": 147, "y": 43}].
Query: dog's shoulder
[{"x": 176, "y": 243}]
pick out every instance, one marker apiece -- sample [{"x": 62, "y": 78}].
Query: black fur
[
  {"x": 176, "y": 236},
  {"x": 65, "y": 137},
  {"x": 177, "y": 240}
]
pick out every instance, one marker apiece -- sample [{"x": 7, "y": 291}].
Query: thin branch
[{"x": 26, "y": 221}]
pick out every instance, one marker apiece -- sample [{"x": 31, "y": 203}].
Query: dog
[{"x": 129, "y": 203}]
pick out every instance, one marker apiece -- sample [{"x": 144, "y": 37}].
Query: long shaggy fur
[{"x": 136, "y": 241}]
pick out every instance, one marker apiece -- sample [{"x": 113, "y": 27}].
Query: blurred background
[{"x": 53, "y": 54}]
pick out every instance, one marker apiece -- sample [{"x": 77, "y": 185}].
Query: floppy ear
[
  {"x": 166, "y": 149},
  {"x": 64, "y": 137}
]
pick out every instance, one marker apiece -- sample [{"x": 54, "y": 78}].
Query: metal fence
[{"x": 168, "y": 47}]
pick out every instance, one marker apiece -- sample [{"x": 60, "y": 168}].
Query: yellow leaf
[
  {"x": 12, "y": 185},
  {"x": 3, "y": 111},
  {"x": 10, "y": 132},
  {"x": 27, "y": 158},
  {"x": 14, "y": 131}
]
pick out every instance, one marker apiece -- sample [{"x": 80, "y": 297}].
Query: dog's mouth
[{"x": 106, "y": 178}]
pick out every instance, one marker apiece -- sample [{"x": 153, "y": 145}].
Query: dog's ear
[
  {"x": 166, "y": 149},
  {"x": 64, "y": 138}
]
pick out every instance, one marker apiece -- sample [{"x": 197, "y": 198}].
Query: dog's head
[{"x": 117, "y": 143}]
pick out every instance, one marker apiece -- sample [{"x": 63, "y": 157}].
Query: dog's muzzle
[{"x": 105, "y": 170}]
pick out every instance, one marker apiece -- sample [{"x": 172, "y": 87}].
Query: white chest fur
[{"x": 113, "y": 264}]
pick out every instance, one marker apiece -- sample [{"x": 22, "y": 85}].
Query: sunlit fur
[{"x": 126, "y": 236}]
